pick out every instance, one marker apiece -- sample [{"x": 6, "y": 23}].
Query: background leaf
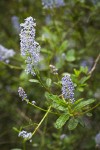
[{"x": 72, "y": 123}]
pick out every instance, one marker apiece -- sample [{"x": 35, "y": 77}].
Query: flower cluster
[
  {"x": 22, "y": 93},
  {"x": 15, "y": 23},
  {"x": 97, "y": 139},
  {"x": 25, "y": 135},
  {"x": 52, "y": 3},
  {"x": 68, "y": 88},
  {"x": 29, "y": 47},
  {"x": 5, "y": 54},
  {"x": 54, "y": 70}
]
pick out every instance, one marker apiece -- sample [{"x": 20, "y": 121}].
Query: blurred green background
[{"x": 77, "y": 26}]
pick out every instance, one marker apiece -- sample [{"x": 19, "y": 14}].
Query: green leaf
[
  {"x": 78, "y": 101},
  {"x": 81, "y": 89},
  {"x": 72, "y": 124},
  {"x": 34, "y": 80},
  {"x": 89, "y": 114},
  {"x": 63, "y": 46},
  {"x": 77, "y": 72},
  {"x": 81, "y": 122},
  {"x": 84, "y": 69},
  {"x": 83, "y": 104},
  {"x": 46, "y": 51},
  {"x": 59, "y": 107},
  {"x": 47, "y": 95},
  {"x": 57, "y": 100},
  {"x": 70, "y": 56},
  {"x": 16, "y": 149},
  {"x": 57, "y": 103},
  {"x": 61, "y": 120},
  {"x": 84, "y": 79},
  {"x": 48, "y": 82},
  {"x": 15, "y": 129}
]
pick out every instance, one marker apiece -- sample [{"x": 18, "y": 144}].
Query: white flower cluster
[
  {"x": 29, "y": 47},
  {"x": 5, "y": 54},
  {"x": 52, "y": 3},
  {"x": 22, "y": 93},
  {"x": 25, "y": 135}
]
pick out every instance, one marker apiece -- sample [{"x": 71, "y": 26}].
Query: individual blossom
[
  {"x": 30, "y": 49},
  {"x": 52, "y": 3},
  {"x": 33, "y": 102},
  {"x": 25, "y": 135},
  {"x": 22, "y": 93},
  {"x": 68, "y": 88},
  {"x": 5, "y": 54}
]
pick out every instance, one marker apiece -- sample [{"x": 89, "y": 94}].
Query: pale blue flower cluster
[
  {"x": 25, "y": 135},
  {"x": 97, "y": 139},
  {"x": 29, "y": 47},
  {"x": 15, "y": 23},
  {"x": 5, "y": 54},
  {"x": 68, "y": 88},
  {"x": 52, "y": 3},
  {"x": 22, "y": 93}
]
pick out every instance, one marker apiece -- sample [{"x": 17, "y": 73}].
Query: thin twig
[
  {"x": 94, "y": 66},
  {"x": 41, "y": 120}
]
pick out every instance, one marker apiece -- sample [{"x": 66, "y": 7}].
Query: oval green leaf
[
  {"x": 72, "y": 124},
  {"x": 61, "y": 120}
]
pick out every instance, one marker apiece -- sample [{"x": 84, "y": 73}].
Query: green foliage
[
  {"x": 82, "y": 104},
  {"x": 70, "y": 41}
]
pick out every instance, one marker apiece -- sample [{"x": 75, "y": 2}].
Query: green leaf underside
[
  {"x": 70, "y": 56},
  {"x": 48, "y": 82},
  {"x": 72, "y": 124},
  {"x": 61, "y": 120},
  {"x": 83, "y": 104}
]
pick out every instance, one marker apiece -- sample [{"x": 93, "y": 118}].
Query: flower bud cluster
[
  {"x": 68, "y": 88},
  {"x": 54, "y": 70},
  {"x": 29, "y": 47}
]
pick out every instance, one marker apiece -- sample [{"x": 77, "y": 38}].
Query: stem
[
  {"x": 40, "y": 107},
  {"x": 42, "y": 120},
  {"x": 41, "y": 81},
  {"x": 94, "y": 66},
  {"x": 24, "y": 147},
  {"x": 43, "y": 135}
]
